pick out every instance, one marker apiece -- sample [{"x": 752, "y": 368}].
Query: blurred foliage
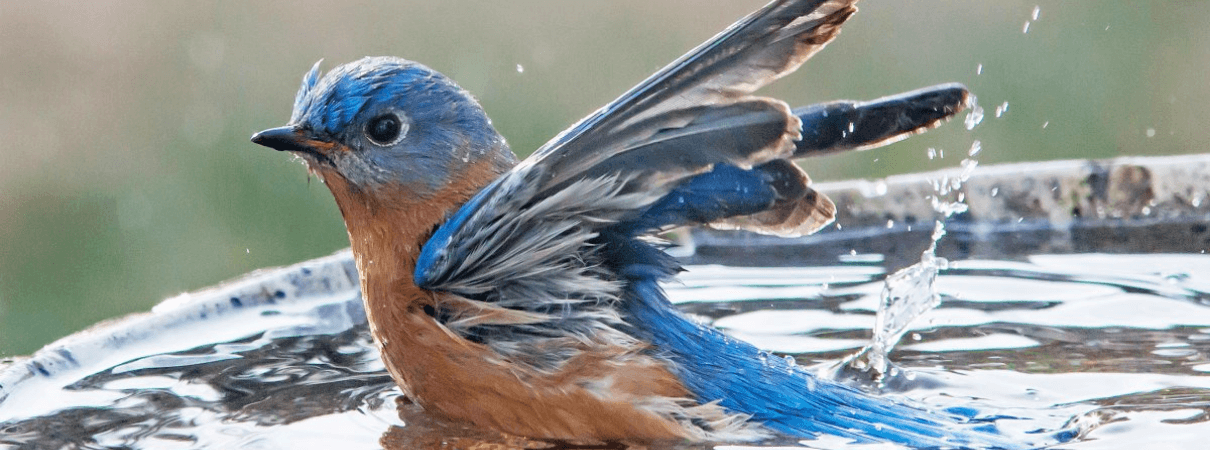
[{"x": 128, "y": 176}]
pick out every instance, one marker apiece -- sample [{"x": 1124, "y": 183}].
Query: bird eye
[{"x": 385, "y": 130}]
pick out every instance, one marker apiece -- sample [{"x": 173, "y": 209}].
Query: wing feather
[
  {"x": 846, "y": 125},
  {"x": 630, "y": 153},
  {"x": 750, "y": 54},
  {"x": 689, "y": 145}
]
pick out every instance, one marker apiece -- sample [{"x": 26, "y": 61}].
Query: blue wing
[
  {"x": 772, "y": 197},
  {"x": 560, "y": 237},
  {"x": 679, "y": 123},
  {"x": 688, "y": 146}
]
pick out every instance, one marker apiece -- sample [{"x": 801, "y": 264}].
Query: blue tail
[
  {"x": 774, "y": 391},
  {"x": 785, "y": 397}
]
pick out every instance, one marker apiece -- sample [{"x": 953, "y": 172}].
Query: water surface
[{"x": 1119, "y": 343}]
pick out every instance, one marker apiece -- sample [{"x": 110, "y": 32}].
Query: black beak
[{"x": 288, "y": 139}]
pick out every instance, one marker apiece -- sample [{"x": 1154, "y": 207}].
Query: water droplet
[
  {"x": 880, "y": 188},
  {"x": 1045, "y": 124},
  {"x": 1151, "y": 132},
  {"x": 247, "y": 250},
  {"x": 890, "y": 224},
  {"x": 1025, "y": 29},
  {"x": 1037, "y": 10},
  {"x": 973, "y": 117},
  {"x": 995, "y": 191},
  {"x": 917, "y": 336},
  {"x": 968, "y": 168},
  {"x": 976, "y": 147},
  {"x": 979, "y": 69},
  {"x": 520, "y": 69},
  {"x": 932, "y": 153}
]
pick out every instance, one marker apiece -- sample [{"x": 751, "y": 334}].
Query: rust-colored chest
[{"x": 605, "y": 393}]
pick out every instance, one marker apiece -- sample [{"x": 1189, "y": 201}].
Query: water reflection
[{"x": 223, "y": 394}]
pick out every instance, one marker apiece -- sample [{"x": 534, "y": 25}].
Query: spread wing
[
  {"x": 695, "y": 113},
  {"x": 689, "y": 145}
]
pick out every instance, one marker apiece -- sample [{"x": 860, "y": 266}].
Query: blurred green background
[{"x": 127, "y": 176}]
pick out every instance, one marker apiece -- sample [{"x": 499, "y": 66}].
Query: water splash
[
  {"x": 906, "y": 295},
  {"x": 911, "y": 292}
]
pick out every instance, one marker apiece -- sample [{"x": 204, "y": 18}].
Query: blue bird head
[{"x": 385, "y": 121}]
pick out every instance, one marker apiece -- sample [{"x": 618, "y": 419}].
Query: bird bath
[{"x": 1077, "y": 292}]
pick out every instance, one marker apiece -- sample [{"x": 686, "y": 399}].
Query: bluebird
[{"x": 524, "y": 297}]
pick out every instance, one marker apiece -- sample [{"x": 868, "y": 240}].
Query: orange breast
[
  {"x": 599, "y": 395},
  {"x": 605, "y": 393}
]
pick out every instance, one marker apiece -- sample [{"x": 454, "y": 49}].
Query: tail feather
[{"x": 785, "y": 397}]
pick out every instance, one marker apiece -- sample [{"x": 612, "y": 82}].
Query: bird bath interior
[{"x": 1076, "y": 293}]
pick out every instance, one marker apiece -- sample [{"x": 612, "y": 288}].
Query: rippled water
[{"x": 1120, "y": 343}]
